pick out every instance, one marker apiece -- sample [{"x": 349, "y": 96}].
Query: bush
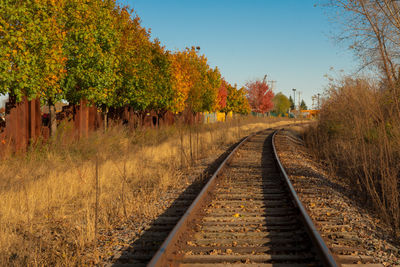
[{"x": 358, "y": 136}]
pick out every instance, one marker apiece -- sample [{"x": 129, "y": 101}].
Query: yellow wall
[{"x": 210, "y": 117}]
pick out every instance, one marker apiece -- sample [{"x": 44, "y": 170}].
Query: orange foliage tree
[
  {"x": 222, "y": 95},
  {"x": 196, "y": 83}
]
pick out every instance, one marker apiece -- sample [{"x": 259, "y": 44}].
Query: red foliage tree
[
  {"x": 260, "y": 96},
  {"x": 222, "y": 95}
]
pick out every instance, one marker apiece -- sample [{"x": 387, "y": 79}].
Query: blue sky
[{"x": 289, "y": 40}]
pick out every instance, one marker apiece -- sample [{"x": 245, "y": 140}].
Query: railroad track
[
  {"x": 331, "y": 219},
  {"x": 247, "y": 213}
]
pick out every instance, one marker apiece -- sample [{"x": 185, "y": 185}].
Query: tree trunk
[
  {"x": 190, "y": 143},
  {"x": 142, "y": 115},
  {"x": 52, "y": 119},
  {"x": 161, "y": 115},
  {"x": 197, "y": 142},
  {"x": 105, "y": 118}
]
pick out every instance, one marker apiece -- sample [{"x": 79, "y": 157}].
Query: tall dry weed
[{"x": 358, "y": 136}]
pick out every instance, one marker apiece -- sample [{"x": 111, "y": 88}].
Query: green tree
[
  {"x": 281, "y": 103},
  {"x": 236, "y": 100},
  {"x": 291, "y": 102},
  {"x": 18, "y": 61},
  {"x": 91, "y": 44},
  {"x": 211, "y": 84},
  {"x": 32, "y": 60},
  {"x": 303, "y": 105},
  {"x": 31, "y": 56},
  {"x": 243, "y": 105},
  {"x": 162, "y": 92},
  {"x": 135, "y": 67}
]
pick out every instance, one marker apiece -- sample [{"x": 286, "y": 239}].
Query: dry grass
[
  {"x": 358, "y": 136},
  {"x": 50, "y": 197}
]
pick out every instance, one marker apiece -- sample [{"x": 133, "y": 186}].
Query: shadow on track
[{"x": 286, "y": 218}]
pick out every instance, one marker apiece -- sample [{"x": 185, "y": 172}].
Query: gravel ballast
[{"x": 335, "y": 198}]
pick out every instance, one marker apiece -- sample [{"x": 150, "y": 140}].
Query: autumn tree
[
  {"x": 183, "y": 78},
  {"x": 187, "y": 75},
  {"x": 135, "y": 67},
  {"x": 196, "y": 83},
  {"x": 52, "y": 54},
  {"x": 97, "y": 51},
  {"x": 206, "y": 81},
  {"x": 236, "y": 100},
  {"x": 260, "y": 96},
  {"x": 91, "y": 44},
  {"x": 222, "y": 95},
  {"x": 18, "y": 62},
  {"x": 162, "y": 89},
  {"x": 32, "y": 59},
  {"x": 281, "y": 103},
  {"x": 210, "y": 89},
  {"x": 242, "y": 103}
]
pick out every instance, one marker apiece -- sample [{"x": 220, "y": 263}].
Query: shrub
[{"x": 358, "y": 136}]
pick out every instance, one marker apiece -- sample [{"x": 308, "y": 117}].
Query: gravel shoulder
[{"x": 372, "y": 236}]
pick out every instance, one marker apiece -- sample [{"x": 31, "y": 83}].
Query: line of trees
[{"x": 98, "y": 51}]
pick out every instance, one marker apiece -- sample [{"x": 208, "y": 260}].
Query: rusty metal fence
[{"x": 25, "y": 124}]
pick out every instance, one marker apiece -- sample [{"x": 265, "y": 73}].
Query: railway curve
[{"x": 247, "y": 214}]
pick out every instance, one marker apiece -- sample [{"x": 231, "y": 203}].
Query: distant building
[
  {"x": 311, "y": 113},
  {"x": 59, "y": 106},
  {"x": 3, "y": 100}
]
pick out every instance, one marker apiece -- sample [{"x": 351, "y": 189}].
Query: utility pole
[
  {"x": 265, "y": 78},
  {"x": 272, "y": 84},
  {"x": 294, "y": 98},
  {"x": 313, "y": 101},
  {"x": 318, "y": 100},
  {"x": 299, "y": 99}
]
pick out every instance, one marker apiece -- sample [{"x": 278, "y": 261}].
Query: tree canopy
[
  {"x": 260, "y": 96},
  {"x": 281, "y": 103},
  {"x": 303, "y": 105},
  {"x": 236, "y": 100},
  {"x": 96, "y": 50}
]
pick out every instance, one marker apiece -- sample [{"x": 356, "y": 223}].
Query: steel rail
[
  {"x": 169, "y": 245},
  {"x": 159, "y": 259},
  {"x": 323, "y": 250}
]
